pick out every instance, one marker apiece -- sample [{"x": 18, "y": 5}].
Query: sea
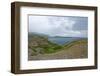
[{"x": 63, "y": 40}]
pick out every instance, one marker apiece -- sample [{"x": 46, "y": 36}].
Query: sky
[{"x": 65, "y": 26}]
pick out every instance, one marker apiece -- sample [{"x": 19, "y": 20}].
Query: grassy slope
[
  {"x": 41, "y": 45},
  {"x": 74, "y": 50},
  {"x": 82, "y": 41},
  {"x": 77, "y": 49},
  {"x": 48, "y": 50}
]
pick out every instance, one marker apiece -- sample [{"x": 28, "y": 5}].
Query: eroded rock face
[{"x": 37, "y": 41}]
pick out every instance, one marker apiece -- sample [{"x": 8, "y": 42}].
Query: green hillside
[
  {"x": 41, "y": 45},
  {"x": 40, "y": 48}
]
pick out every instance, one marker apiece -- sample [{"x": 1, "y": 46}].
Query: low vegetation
[{"x": 39, "y": 45}]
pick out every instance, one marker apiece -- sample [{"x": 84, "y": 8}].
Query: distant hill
[
  {"x": 39, "y": 34},
  {"x": 45, "y": 35}
]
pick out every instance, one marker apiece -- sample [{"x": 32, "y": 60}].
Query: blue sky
[{"x": 66, "y": 26}]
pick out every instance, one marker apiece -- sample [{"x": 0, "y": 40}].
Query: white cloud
[{"x": 54, "y": 26}]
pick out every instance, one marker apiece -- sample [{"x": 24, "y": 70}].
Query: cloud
[{"x": 58, "y": 26}]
